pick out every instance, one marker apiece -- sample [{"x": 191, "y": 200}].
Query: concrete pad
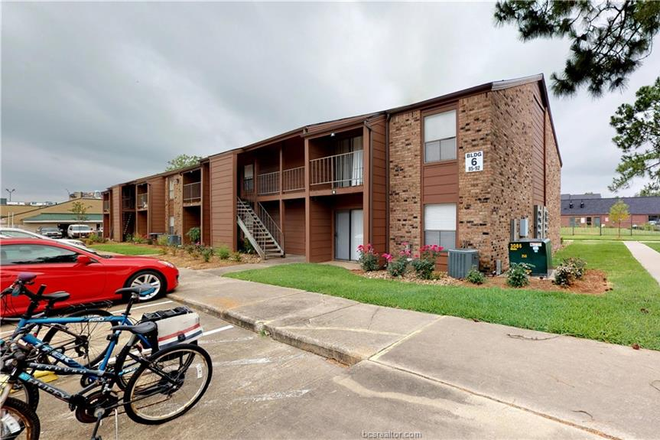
[
  {"x": 609, "y": 388},
  {"x": 295, "y": 308},
  {"x": 369, "y": 399},
  {"x": 350, "y": 334}
]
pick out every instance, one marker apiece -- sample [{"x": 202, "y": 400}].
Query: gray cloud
[{"x": 96, "y": 93}]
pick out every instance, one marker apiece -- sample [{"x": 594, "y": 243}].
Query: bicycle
[
  {"x": 161, "y": 375},
  {"x": 79, "y": 341}
]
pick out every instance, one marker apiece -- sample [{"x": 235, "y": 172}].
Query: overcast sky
[{"x": 95, "y": 94}]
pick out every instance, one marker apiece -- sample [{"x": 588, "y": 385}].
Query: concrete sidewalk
[
  {"x": 603, "y": 389},
  {"x": 647, "y": 257}
]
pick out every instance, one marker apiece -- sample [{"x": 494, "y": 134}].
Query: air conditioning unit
[
  {"x": 461, "y": 261},
  {"x": 174, "y": 240}
]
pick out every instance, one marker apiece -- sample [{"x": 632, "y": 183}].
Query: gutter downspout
[
  {"x": 371, "y": 167},
  {"x": 387, "y": 182}
]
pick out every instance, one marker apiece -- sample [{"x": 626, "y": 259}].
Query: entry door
[{"x": 348, "y": 234}]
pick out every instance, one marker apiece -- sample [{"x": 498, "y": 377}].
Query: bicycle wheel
[
  {"x": 172, "y": 382},
  {"x": 84, "y": 342},
  {"x": 19, "y": 421},
  {"x": 22, "y": 391}
]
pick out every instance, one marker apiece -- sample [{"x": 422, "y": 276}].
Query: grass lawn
[
  {"x": 593, "y": 233},
  {"x": 655, "y": 246},
  {"x": 125, "y": 248},
  {"x": 628, "y": 314}
]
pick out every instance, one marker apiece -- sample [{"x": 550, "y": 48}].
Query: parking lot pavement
[{"x": 265, "y": 389}]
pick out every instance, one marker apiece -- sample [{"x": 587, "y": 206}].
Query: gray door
[{"x": 343, "y": 235}]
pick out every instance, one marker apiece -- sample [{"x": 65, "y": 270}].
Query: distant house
[
  {"x": 582, "y": 210},
  {"x": 58, "y": 215}
]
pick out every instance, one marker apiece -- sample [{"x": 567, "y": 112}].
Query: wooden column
[
  {"x": 308, "y": 213},
  {"x": 366, "y": 184}
]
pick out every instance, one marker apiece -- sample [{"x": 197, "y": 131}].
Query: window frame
[
  {"x": 432, "y": 112},
  {"x": 171, "y": 184},
  {"x": 440, "y": 231}
]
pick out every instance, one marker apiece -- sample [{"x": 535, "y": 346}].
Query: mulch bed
[
  {"x": 594, "y": 282},
  {"x": 184, "y": 260}
]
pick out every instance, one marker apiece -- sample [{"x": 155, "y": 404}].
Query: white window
[
  {"x": 440, "y": 225},
  {"x": 171, "y": 189},
  {"x": 171, "y": 231},
  {"x": 440, "y": 137}
]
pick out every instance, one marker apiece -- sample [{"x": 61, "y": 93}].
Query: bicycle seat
[
  {"x": 139, "y": 329},
  {"x": 134, "y": 289},
  {"x": 55, "y": 296},
  {"x": 26, "y": 277}
]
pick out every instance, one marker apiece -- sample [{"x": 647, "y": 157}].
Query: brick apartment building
[
  {"x": 386, "y": 178},
  {"x": 592, "y": 210}
]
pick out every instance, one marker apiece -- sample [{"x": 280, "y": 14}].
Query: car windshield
[{"x": 50, "y": 230}]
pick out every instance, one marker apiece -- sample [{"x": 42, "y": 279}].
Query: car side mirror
[{"x": 83, "y": 260}]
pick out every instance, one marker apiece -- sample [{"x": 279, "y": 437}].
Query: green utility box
[{"x": 537, "y": 253}]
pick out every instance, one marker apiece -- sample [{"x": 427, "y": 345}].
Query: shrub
[
  {"x": 207, "y": 253},
  {"x": 95, "y": 238},
  {"x": 191, "y": 249},
  {"x": 223, "y": 252},
  {"x": 194, "y": 234},
  {"x": 368, "y": 258},
  {"x": 162, "y": 240},
  {"x": 398, "y": 267},
  {"x": 475, "y": 277},
  {"x": 518, "y": 275},
  {"x": 137, "y": 239},
  {"x": 236, "y": 256},
  {"x": 128, "y": 238},
  {"x": 569, "y": 270},
  {"x": 424, "y": 263}
]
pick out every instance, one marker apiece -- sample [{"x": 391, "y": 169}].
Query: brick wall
[
  {"x": 506, "y": 125},
  {"x": 405, "y": 185},
  {"x": 552, "y": 184},
  {"x": 174, "y": 207}
]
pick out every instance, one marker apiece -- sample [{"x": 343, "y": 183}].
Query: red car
[{"x": 86, "y": 275}]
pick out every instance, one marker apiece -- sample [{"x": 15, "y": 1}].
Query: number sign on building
[{"x": 474, "y": 161}]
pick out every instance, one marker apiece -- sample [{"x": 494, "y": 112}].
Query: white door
[
  {"x": 357, "y": 236},
  {"x": 348, "y": 234}
]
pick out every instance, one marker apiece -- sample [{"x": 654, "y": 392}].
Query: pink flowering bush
[
  {"x": 398, "y": 267},
  {"x": 424, "y": 262},
  {"x": 368, "y": 258}
]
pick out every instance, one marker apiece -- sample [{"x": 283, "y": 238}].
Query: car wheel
[{"x": 151, "y": 277}]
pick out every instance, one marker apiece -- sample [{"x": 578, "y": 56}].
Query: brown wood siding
[
  {"x": 320, "y": 230},
  {"x": 206, "y": 205},
  {"x": 142, "y": 222},
  {"x": 157, "y": 216},
  {"x": 223, "y": 200},
  {"x": 378, "y": 199},
  {"x": 294, "y": 227},
  {"x": 116, "y": 213},
  {"x": 537, "y": 133},
  {"x": 191, "y": 218}
]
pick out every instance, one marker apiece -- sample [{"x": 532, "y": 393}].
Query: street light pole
[{"x": 10, "y": 191}]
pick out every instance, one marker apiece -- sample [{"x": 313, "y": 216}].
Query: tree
[
  {"x": 182, "y": 161},
  {"x": 609, "y": 39},
  {"x": 638, "y": 136},
  {"x": 79, "y": 209},
  {"x": 648, "y": 193},
  {"x": 619, "y": 213}
]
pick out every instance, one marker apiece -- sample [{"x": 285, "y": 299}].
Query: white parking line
[
  {"x": 117, "y": 312},
  {"x": 217, "y": 330}
]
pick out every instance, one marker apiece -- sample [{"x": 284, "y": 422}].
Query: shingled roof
[{"x": 591, "y": 206}]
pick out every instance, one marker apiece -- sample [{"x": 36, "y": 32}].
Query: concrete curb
[{"x": 312, "y": 345}]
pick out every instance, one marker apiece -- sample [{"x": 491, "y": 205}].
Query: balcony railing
[
  {"x": 268, "y": 183},
  {"x": 338, "y": 171},
  {"x": 293, "y": 179},
  {"x": 143, "y": 201},
  {"x": 106, "y": 206},
  {"x": 128, "y": 203},
  {"x": 192, "y": 192}
]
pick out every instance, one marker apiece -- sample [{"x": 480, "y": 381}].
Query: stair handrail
[
  {"x": 270, "y": 224},
  {"x": 244, "y": 212}
]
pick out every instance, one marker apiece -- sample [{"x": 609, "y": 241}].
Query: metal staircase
[{"x": 260, "y": 229}]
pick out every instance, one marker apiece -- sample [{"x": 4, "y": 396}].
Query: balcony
[
  {"x": 293, "y": 179},
  {"x": 338, "y": 171},
  {"x": 106, "y": 206},
  {"x": 143, "y": 201},
  {"x": 268, "y": 183},
  {"x": 192, "y": 193},
  {"x": 128, "y": 203}
]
